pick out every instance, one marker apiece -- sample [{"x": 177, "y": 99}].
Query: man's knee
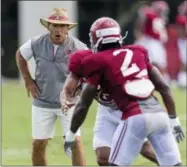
[
  {"x": 102, "y": 155},
  {"x": 39, "y": 144},
  {"x": 146, "y": 148}
]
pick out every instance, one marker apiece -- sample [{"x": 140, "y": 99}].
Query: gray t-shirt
[{"x": 51, "y": 66}]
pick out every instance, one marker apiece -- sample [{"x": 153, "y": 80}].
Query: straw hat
[{"x": 58, "y": 16}]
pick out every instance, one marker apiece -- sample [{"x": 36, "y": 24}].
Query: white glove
[
  {"x": 177, "y": 129},
  {"x": 69, "y": 142}
]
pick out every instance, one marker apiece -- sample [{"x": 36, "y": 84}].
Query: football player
[
  {"x": 176, "y": 47},
  {"x": 153, "y": 36},
  {"x": 108, "y": 115},
  {"x": 150, "y": 32},
  {"x": 162, "y": 9},
  {"x": 181, "y": 25},
  {"x": 126, "y": 74}
]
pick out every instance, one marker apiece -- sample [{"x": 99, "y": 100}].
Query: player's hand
[
  {"x": 177, "y": 129},
  {"x": 32, "y": 88},
  {"x": 69, "y": 143},
  {"x": 66, "y": 106}
]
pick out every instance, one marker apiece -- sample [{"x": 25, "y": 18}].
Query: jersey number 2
[{"x": 125, "y": 69}]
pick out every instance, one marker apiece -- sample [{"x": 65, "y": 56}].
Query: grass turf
[{"x": 16, "y": 130}]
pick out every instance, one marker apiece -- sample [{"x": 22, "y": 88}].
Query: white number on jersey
[
  {"x": 125, "y": 69},
  {"x": 141, "y": 88}
]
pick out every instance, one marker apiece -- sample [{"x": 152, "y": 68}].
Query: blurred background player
[
  {"x": 162, "y": 10},
  {"x": 150, "y": 32},
  {"x": 181, "y": 26},
  {"x": 176, "y": 47},
  {"x": 50, "y": 51}
]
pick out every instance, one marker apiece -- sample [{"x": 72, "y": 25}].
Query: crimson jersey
[
  {"x": 120, "y": 73},
  {"x": 76, "y": 60},
  {"x": 75, "y": 66}
]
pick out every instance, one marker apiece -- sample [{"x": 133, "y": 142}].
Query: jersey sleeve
[
  {"x": 26, "y": 50},
  {"x": 74, "y": 65},
  {"x": 92, "y": 70}
]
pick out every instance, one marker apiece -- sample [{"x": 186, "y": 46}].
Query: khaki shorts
[{"x": 44, "y": 121}]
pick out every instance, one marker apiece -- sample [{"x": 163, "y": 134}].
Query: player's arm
[
  {"x": 162, "y": 87},
  {"x": 90, "y": 70},
  {"x": 165, "y": 91},
  {"x": 82, "y": 107},
  {"x": 79, "y": 115},
  {"x": 72, "y": 80},
  {"x": 88, "y": 94},
  {"x": 68, "y": 90}
]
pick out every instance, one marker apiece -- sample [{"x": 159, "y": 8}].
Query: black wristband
[{"x": 172, "y": 116}]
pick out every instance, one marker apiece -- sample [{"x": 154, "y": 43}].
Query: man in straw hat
[{"x": 51, "y": 53}]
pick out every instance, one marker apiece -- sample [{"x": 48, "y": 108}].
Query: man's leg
[
  {"x": 102, "y": 154},
  {"x": 78, "y": 155},
  {"x": 128, "y": 140},
  {"x": 103, "y": 138},
  {"x": 38, "y": 152},
  {"x": 147, "y": 152},
  {"x": 43, "y": 125},
  {"x": 165, "y": 147},
  {"x": 105, "y": 126},
  {"x": 107, "y": 119}
]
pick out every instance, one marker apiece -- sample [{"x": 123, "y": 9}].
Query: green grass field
[{"x": 16, "y": 130}]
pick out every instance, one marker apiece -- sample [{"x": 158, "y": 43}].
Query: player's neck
[{"x": 109, "y": 47}]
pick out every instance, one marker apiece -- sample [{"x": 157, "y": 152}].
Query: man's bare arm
[
  {"x": 162, "y": 87},
  {"x": 23, "y": 67},
  {"x": 69, "y": 88},
  {"x": 82, "y": 107},
  {"x": 29, "y": 82}
]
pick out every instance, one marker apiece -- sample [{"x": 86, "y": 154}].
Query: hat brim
[{"x": 45, "y": 23}]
